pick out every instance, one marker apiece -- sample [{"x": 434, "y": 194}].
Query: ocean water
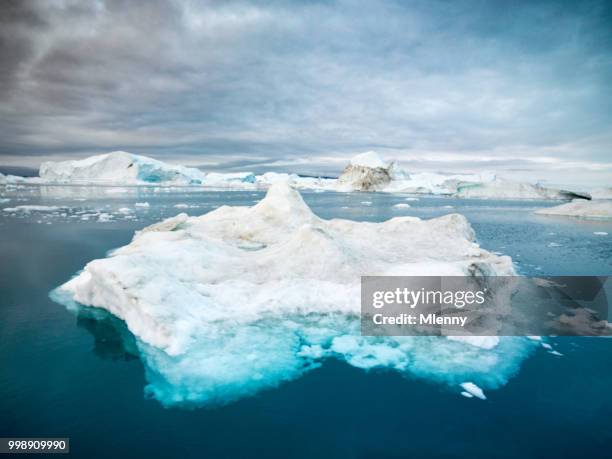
[{"x": 67, "y": 374}]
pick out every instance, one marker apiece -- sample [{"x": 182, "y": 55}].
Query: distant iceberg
[
  {"x": 118, "y": 168},
  {"x": 243, "y": 298},
  {"x": 433, "y": 183},
  {"x": 122, "y": 168},
  {"x": 504, "y": 189},
  {"x": 369, "y": 172},
  {"x": 596, "y": 209},
  {"x": 365, "y": 172}
]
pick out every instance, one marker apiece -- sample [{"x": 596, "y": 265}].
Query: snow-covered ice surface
[
  {"x": 595, "y": 209},
  {"x": 244, "y": 298}
]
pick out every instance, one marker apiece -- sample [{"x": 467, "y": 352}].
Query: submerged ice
[{"x": 243, "y": 298}]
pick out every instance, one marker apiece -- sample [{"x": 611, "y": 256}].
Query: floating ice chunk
[
  {"x": 466, "y": 394},
  {"x": 142, "y": 204},
  {"x": 474, "y": 390},
  {"x": 32, "y": 208},
  {"x": 546, "y": 346},
  {"x": 401, "y": 205},
  {"x": 558, "y": 354},
  {"x": 124, "y": 210},
  {"x": 243, "y": 298},
  {"x": 596, "y": 209},
  {"x": 600, "y": 233},
  {"x": 181, "y": 205}
]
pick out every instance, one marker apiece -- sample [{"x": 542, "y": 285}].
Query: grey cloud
[{"x": 281, "y": 80}]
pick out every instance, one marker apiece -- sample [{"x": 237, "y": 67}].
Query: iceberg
[
  {"x": 433, "y": 183},
  {"x": 368, "y": 172},
  {"x": 365, "y": 172},
  {"x": 241, "y": 299},
  {"x": 122, "y": 168},
  {"x": 118, "y": 168},
  {"x": 595, "y": 209},
  {"x": 267, "y": 179},
  {"x": 503, "y": 189}
]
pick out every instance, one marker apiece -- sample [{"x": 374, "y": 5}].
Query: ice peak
[{"x": 282, "y": 201}]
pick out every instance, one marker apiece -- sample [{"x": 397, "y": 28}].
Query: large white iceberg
[
  {"x": 242, "y": 298},
  {"x": 122, "y": 168},
  {"x": 596, "y": 209}
]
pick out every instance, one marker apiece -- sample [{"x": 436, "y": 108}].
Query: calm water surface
[{"x": 69, "y": 375}]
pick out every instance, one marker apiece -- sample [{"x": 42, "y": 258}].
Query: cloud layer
[{"x": 274, "y": 83}]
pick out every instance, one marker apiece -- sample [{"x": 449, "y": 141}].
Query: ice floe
[{"x": 243, "y": 298}]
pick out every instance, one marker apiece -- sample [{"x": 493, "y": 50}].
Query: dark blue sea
[{"x": 64, "y": 374}]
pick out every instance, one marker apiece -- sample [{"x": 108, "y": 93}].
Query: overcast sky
[{"x": 298, "y": 85}]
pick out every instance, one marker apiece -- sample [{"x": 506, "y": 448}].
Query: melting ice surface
[{"x": 244, "y": 298}]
